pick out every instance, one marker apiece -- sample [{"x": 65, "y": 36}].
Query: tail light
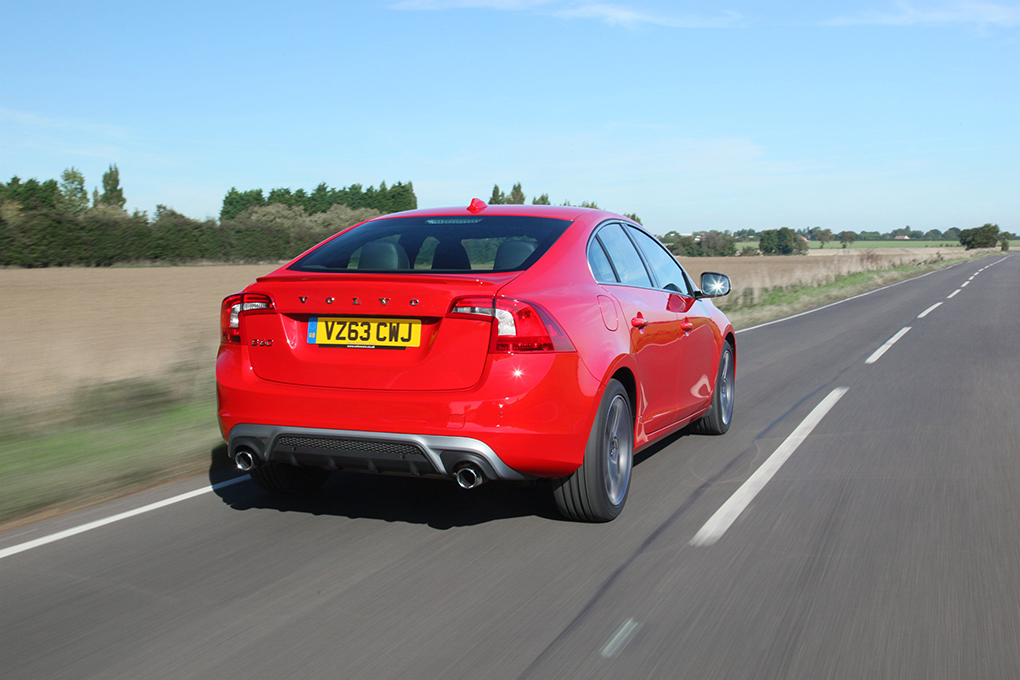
[
  {"x": 234, "y": 306},
  {"x": 520, "y": 326}
]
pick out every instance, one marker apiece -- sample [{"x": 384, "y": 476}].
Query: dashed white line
[
  {"x": 953, "y": 294},
  {"x": 929, "y": 310},
  {"x": 888, "y": 343},
  {"x": 74, "y": 531},
  {"x": 964, "y": 284},
  {"x": 717, "y": 525},
  {"x": 620, "y": 638}
]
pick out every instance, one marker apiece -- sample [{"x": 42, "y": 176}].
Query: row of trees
[
  {"x": 385, "y": 199},
  {"x": 827, "y": 236},
  {"x": 51, "y": 223}
]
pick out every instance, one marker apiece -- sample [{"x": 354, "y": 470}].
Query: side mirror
[{"x": 714, "y": 284}]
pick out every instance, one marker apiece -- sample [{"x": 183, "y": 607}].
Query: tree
[
  {"x": 951, "y": 234},
  {"x": 717, "y": 244},
  {"x": 823, "y": 236},
  {"x": 112, "y": 193},
  {"x": 31, "y": 195},
  {"x": 516, "y": 196},
  {"x": 632, "y": 216},
  {"x": 498, "y": 197},
  {"x": 985, "y": 236},
  {"x": 236, "y": 202},
  {"x": 932, "y": 235},
  {"x": 541, "y": 200},
  {"x": 768, "y": 242},
  {"x": 1004, "y": 238},
  {"x": 847, "y": 238},
  {"x": 74, "y": 198},
  {"x": 786, "y": 241}
]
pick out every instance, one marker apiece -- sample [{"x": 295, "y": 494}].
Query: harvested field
[
  {"x": 752, "y": 277},
  {"x": 68, "y": 329}
]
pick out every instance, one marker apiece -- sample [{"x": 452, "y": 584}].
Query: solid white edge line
[
  {"x": 953, "y": 294},
  {"x": 888, "y": 343},
  {"x": 929, "y": 310},
  {"x": 74, "y": 531},
  {"x": 717, "y": 525}
]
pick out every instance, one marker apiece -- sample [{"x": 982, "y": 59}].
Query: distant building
[{"x": 901, "y": 237}]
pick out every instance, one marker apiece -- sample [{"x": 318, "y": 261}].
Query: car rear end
[{"x": 394, "y": 348}]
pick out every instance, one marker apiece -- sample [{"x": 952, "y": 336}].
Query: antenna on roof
[{"x": 477, "y": 206}]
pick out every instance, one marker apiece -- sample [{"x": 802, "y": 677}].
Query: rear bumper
[
  {"x": 528, "y": 416},
  {"x": 378, "y": 452}
]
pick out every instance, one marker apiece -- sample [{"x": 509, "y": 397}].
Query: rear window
[{"x": 497, "y": 243}]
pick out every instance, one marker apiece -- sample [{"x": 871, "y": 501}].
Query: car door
[
  {"x": 698, "y": 344},
  {"x": 653, "y": 326}
]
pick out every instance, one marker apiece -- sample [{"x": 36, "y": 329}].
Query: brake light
[
  {"x": 234, "y": 306},
  {"x": 520, "y": 326}
]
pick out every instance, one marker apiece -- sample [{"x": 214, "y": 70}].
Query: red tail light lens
[
  {"x": 520, "y": 326},
  {"x": 234, "y": 306}
]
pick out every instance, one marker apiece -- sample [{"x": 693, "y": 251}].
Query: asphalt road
[{"x": 887, "y": 545}]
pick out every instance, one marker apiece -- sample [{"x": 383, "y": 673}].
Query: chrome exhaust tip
[
  {"x": 244, "y": 460},
  {"x": 469, "y": 476}
]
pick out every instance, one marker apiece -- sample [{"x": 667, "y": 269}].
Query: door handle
[
  {"x": 686, "y": 325},
  {"x": 639, "y": 321}
]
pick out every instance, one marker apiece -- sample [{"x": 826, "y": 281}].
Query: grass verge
[{"x": 82, "y": 464}]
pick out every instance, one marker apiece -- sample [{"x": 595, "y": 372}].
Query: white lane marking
[
  {"x": 620, "y": 638},
  {"x": 964, "y": 284},
  {"x": 953, "y": 294},
  {"x": 888, "y": 343},
  {"x": 74, "y": 531},
  {"x": 929, "y": 310},
  {"x": 717, "y": 525}
]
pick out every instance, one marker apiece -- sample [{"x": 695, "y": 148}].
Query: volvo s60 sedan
[{"x": 483, "y": 343}]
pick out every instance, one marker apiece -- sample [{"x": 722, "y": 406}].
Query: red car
[{"x": 483, "y": 343}]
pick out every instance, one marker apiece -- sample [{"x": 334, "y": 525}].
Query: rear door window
[
  {"x": 630, "y": 270},
  {"x": 666, "y": 270}
]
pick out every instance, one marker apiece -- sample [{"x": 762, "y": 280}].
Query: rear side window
[
  {"x": 629, "y": 268},
  {"x": 666, "y": 270},
  {"x": 496, "y": 243}
]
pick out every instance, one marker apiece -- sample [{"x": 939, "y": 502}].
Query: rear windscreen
[{"x": 497, "y": 243}]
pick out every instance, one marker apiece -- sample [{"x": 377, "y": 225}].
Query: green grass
[{"x": 81, "y": 464}]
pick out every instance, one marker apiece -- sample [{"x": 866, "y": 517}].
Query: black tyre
[
  {"x": 289, "y": 479},
  {"x": 720, "y": 413},
  {"x": 597, "y": 491}
]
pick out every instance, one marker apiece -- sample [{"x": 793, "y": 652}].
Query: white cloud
[{"x": 908, "y": 14}]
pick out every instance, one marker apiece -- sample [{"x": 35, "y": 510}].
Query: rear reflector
[{"x": 520, "y": 326}]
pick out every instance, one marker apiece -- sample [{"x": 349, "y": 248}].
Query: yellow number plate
[{"x": 369, "y": 333}]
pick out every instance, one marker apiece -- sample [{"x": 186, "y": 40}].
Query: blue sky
[{"x": 867, "y": 115}]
